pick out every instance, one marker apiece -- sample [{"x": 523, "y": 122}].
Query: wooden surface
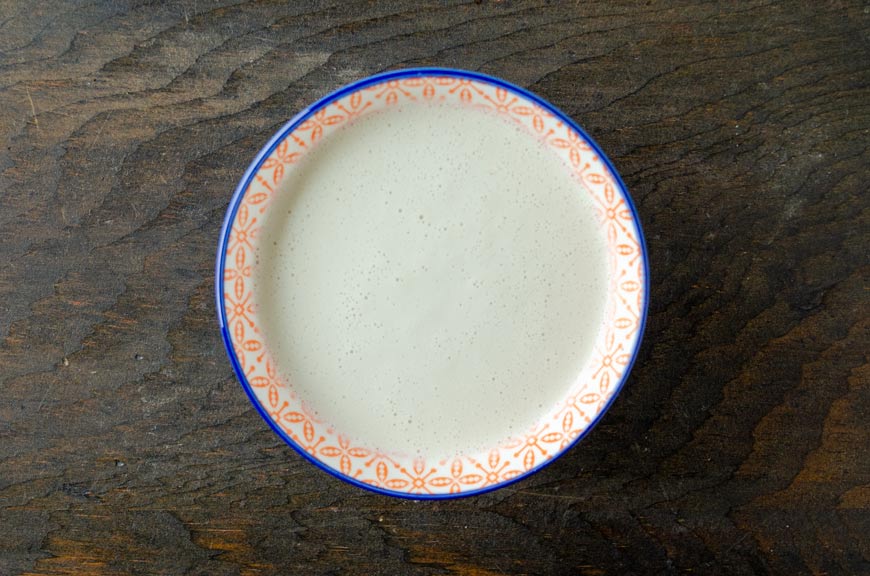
[{"x": 740, "y": 443}]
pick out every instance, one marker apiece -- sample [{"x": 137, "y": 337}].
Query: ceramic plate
[{"x": 419, "y": 475}]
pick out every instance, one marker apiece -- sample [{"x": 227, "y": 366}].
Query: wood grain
[{"x": 740, "y": 443}]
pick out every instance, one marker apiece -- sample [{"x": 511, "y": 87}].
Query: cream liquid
[{"x": 431, "y": 280}]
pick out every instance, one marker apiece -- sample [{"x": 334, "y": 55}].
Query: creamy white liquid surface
[{"x": 431, "y": 280}]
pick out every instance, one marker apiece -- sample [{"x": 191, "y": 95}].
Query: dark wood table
[{"x": 741, "y": 443}]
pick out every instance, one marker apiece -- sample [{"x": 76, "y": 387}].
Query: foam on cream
[{"x": 430, "y": 279}]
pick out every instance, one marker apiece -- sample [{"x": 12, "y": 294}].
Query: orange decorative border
[{"x": 614, "y": 347}]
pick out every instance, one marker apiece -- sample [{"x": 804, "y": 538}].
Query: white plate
[{"x": 319, "y": 435}]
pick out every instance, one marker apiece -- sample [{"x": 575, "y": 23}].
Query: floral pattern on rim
[{"x": 565, "y": 422}]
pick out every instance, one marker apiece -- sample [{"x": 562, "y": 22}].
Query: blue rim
[{"x": 292, "y": 125}]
